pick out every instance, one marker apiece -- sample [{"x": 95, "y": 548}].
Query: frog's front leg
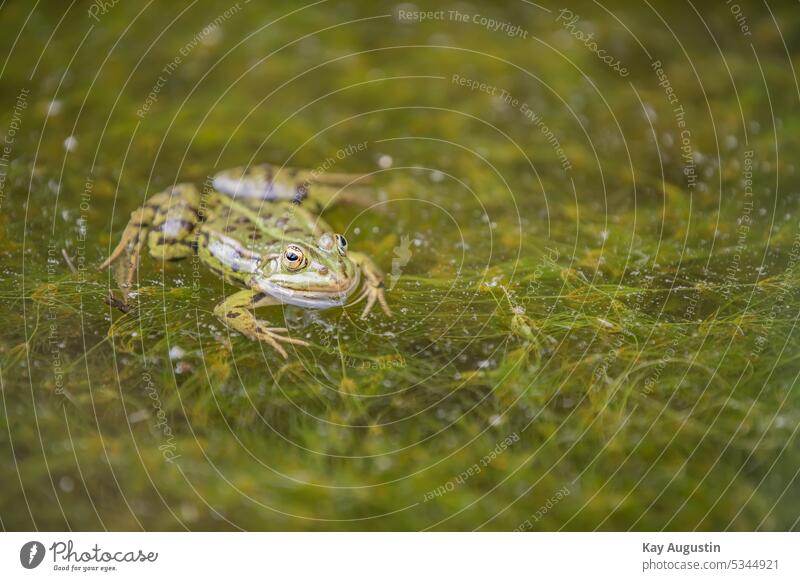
[
  {"x": 373, "y": 283},
  {"x": 236, "y": 312}
]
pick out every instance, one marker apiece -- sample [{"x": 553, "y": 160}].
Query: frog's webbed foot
[
  {"x": 374, "y": 288},
  {"x": 274, "y": 336},
  {"x": 236, "y": 312}
]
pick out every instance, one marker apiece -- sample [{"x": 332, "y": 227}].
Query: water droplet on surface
[
  {"x": 70, "y": 143},
  {"x": 66, "y": 484},
  {"x": 54, "y": 108},
  {"x": 176, "y": 353}
]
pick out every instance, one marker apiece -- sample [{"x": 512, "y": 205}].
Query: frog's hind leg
[
  {"x": 272, "y": 183},
  {"x": 325, "y": 189},
  {"x": 165, "y": 223},
  {"x": 236, "y": 312},
  {"x": 322, "y": 196}
]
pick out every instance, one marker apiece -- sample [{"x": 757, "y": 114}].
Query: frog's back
[
  {"x": 252, "y": 221},
  {"x": 264, "y": 207}
]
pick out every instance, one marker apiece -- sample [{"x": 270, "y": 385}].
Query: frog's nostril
[{"x": 323, "y": 270}]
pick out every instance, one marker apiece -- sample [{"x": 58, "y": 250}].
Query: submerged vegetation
[{"x": 594, "y": 276}]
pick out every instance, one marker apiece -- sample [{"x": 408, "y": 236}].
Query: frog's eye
[
  {"x": 341, "y": 242},
  {"x": 293, "y": 258}
]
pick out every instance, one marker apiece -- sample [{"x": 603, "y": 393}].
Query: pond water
[{"x": 588, "y": 218}]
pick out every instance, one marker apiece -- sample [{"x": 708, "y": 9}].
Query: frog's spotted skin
[
  {"x": 268, "y": 182},
  {"x": 253, "y": 232}
]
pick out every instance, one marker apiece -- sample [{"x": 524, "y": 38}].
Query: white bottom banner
[{"x": 402, "y": 556}]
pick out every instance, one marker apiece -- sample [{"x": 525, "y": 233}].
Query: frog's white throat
[{"x": 309, "y": 299}]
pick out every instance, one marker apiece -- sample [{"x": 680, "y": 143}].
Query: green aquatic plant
[{"x": 607, "y": 335}]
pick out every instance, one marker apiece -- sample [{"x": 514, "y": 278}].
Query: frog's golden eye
[
  {"x": 341, "y": 242},
  {"x": 293, "y": 258}
]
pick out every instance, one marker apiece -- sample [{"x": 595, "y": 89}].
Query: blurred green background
[{"x": 595, "y": 295}]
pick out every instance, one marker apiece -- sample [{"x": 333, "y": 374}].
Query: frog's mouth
[{"x": 310, "y": 298}]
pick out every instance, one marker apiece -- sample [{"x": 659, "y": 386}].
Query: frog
[{"x": 258, "y": 228}]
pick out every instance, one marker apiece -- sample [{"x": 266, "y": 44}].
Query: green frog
[{"x": 258, "y": 228}]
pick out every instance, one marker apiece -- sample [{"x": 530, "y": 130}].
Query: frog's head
[{"x": 316, "y": 276}]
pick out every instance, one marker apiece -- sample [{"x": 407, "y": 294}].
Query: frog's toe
[
  {"x": 375, "y": 294},
  {"x": 295, "y": 341},
  {"x": 384, "y": 305},
  {"x": 277, "y": 332},
  {"x": 275, "y": 345},
  {"x": 273, "y": 336}
]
